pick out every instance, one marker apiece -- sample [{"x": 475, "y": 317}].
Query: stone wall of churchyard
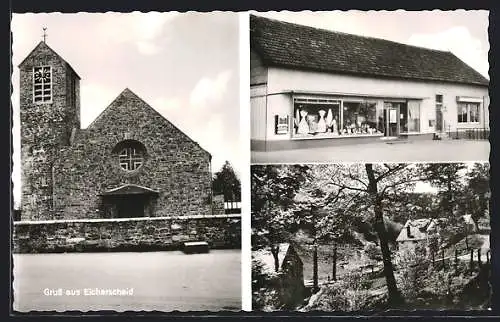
[
  {"x": 174, "y": 165},
  {"x": 135, "y": 234}
]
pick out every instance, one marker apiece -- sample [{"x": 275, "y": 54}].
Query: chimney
[{"x": 408, "y": 231}]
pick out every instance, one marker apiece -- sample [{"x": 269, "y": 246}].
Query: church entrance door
[
  {"x": 129, "y": 201},
  {"x": 130, "y": 206}
]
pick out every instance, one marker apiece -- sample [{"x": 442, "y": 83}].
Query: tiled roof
[{"x": 296, "y": 46}]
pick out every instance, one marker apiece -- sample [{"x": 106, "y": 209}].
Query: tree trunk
[
  {"x": 442, "y": 257},
  {"x": 456, "y": 259},
  {"x": 395, "y": 298},
  {"x": 275, "y": 249},
  {"x": 471, "y": 260},
  {"x": 315, "y": 254},
  {"x": 479, "y": 257},
  {"x": 315, "y": 269},
  {"x": 475, "y": 224},
  {"x": 334, "y": 265},
  {"x": 450, "y": 197}
]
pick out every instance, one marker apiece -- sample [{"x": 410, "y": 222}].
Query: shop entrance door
[
  {"x": 439, "y": 119},
  {"x": 391, "y": 120}
]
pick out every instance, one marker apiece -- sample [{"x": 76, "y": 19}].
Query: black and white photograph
[
  {"x": 127, "y": 162},
  {"x": 371, "y": 237},
  {"x": 379, "y": 86}
]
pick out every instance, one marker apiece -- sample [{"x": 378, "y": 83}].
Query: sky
[
  {"x": 185, "y": 65},
  {"x": 464, "y": 33}
]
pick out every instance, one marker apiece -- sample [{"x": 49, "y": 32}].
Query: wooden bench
[{"x": 195, "y": 247}]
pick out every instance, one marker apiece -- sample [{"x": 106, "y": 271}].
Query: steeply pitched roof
[
  {"x": 302, "y": 47},
  {"x": 128, "y": 95},
  {"x": 43, "y": 44}
]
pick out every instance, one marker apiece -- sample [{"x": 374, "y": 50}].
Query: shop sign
[{"x": 281, "y": 124}]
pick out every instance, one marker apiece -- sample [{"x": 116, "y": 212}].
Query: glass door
[{"x": 391, "y": 119}]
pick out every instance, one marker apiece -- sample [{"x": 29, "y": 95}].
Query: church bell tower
[{"x": 50, "y": 113}]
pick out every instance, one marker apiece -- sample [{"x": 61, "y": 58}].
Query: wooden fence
[{"x": 469, "y": 133}]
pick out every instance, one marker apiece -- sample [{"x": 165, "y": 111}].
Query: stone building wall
[
  {"x": 132, "y": 234},
  {"x": 45, "y": 128},
  {"x": 174, "y": 165}
]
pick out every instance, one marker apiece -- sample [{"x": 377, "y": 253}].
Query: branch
[
  {"x": 357, "y": 179},
  {"x": 347, "y": 187},
  {"x": 398, "y": 183},
  {"x": 390, "y": 171}
]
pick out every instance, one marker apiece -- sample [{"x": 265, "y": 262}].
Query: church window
[
  {"x": 129, "y": 154},
  {"x": 42, "y": 84},
  {"x": 130, "y": 158}
]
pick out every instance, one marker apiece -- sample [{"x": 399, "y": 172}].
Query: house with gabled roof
[
  {"x": 311, "y": 87},
  {"x": 129, "y": 162}
]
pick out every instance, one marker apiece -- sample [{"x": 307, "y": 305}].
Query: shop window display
[
  {"x": 330, "y": 118},
  {"x": 468, "y": 113},
  {"x": 359, "y": 118},
  {"x": 316, "y": 117}
]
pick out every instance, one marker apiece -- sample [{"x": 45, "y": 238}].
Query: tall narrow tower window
[{"x": 42, "y": 84}]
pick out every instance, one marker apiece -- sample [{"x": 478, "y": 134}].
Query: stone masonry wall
[
  {"x": 45, "y": 128},
  {"x": 138, "y": 234},
  {"x": 175, "y": 165}
]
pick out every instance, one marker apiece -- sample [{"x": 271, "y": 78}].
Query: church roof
[
  {"x": 296, "y": 46},
  {"x": 127, "y": 94},
  {"x": 43, "y": 44}
]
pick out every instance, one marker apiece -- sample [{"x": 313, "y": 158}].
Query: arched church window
[
  {"x": 42, "y": 84},
  {"x": 131, "y": 154}
]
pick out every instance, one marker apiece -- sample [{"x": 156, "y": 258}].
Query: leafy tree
[
  {"x": 226, "y": 182},
  {"x": 448, "y": 178},
  {"x": 273, "y": 190},
  {"x": 476, "y": 195},
  {"x": 375, "y": 184},
  {"x": 317, "y": 206}
]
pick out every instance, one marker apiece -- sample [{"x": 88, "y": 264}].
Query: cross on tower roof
[{"x": 44, "y": 33}]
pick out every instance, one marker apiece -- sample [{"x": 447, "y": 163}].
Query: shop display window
[
  {"x": 359, "y": 118},
  {"x": 331, "y": 118},
  {"x": 468, "y": 112}
]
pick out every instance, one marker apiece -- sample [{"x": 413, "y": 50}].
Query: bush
[
  {"x": 349, "y": 294},
  {"x": 411, "y": 277}
]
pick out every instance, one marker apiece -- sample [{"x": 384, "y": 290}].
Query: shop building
[{"x": 311, "y": 87}]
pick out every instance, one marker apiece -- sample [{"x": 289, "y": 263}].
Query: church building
[{"x": 129, "y": 162}]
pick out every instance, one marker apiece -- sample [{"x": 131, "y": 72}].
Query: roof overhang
[
  {"x": 361, "y": 95},
  {"x": 129, "y": 189}
]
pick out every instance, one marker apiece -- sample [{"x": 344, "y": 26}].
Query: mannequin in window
[
  {"x": 303, "y": 126},
  {"x": 312, "y": 122},
  {"x": 321, "y": 123},
  {"x": 329, "y": 119}
]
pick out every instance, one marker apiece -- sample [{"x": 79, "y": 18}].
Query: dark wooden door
[
  {"x": 439, "y": 119},
  {"x": 130, "y": 207}
]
